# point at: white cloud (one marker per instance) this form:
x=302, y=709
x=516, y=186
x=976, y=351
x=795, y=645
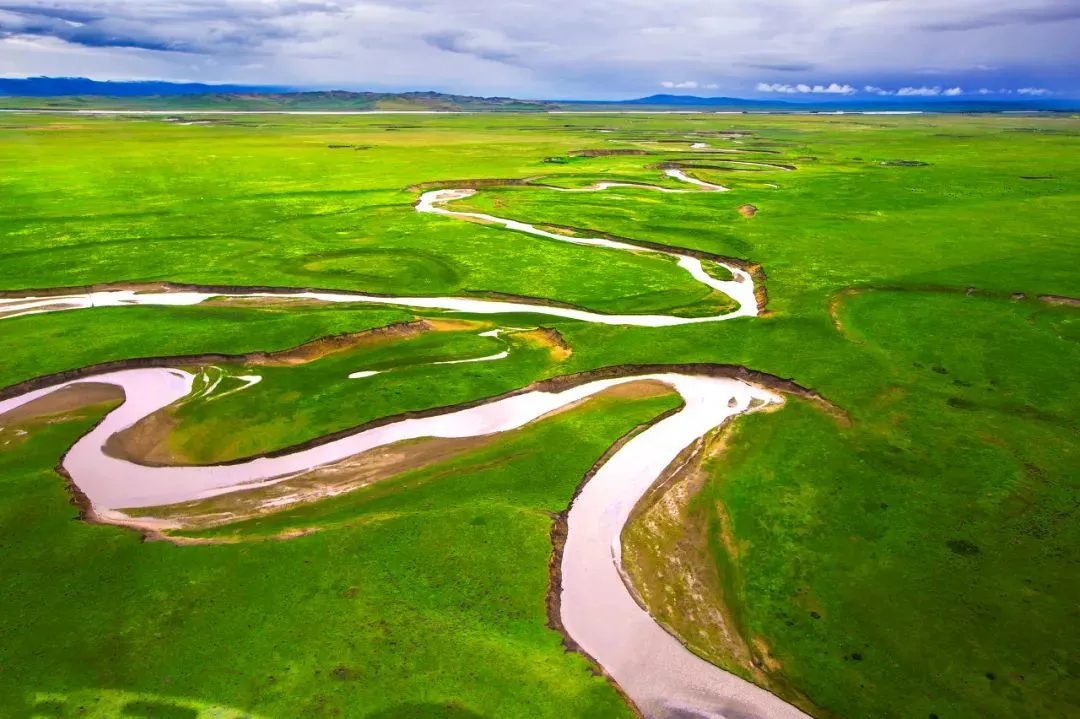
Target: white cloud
x=878, y=90
x=1036, y=91
x=712, y=86
x=775, y=87
x=985, y=91
x=919, y=91
x=684, y=85
x=804, y=89
x=953, y=92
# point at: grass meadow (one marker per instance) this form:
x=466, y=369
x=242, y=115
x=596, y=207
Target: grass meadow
x=919, y=561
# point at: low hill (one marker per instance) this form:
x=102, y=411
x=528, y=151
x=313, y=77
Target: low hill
x=81, y=93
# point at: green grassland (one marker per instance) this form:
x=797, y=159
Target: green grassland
x=935, y=537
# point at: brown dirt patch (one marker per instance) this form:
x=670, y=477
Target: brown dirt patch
x=326, y=346
x=1060, y=300
x=748, y=210
x=605, y=153
x=146, y=442
x=348, y=475
x=551, y=338
x=666, y=553
x=69, y=398
x=355, y=472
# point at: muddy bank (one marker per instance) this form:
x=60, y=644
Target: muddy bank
x=606, y=153
x=672, y=571
x=698, y=164
x=1060, y=300
x=64, y=400
x=599, y=612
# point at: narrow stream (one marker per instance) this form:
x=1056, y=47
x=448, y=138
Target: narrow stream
x=740, y=289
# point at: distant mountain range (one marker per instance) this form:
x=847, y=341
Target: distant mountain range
x=73, y=93
x=65, y=86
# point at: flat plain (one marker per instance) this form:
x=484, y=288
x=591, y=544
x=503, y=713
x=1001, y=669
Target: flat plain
x=912, y=552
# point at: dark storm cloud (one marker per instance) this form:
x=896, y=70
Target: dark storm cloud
x=90, y=32
x=190, y=27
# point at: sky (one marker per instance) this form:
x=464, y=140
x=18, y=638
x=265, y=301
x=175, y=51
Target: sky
x=563, y=49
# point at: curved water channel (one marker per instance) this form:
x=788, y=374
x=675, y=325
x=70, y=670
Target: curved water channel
x=598, y=611
x=740, y=288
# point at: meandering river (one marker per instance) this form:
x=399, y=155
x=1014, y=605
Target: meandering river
x=662, y=677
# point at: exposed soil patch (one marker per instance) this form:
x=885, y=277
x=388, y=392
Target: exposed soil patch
x=473, y=184
x=606, y=153
x=355, y=472
x=672, y=573
x=65, y=400
x=146, y=441
x=903, y=163
x=323, y=347
x=698, y=164
x=748, y=210
x=551, y=338
x=1060, y=300
x=358, y=471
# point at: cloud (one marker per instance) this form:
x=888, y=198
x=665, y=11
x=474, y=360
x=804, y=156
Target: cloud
x=804, y=89
x=684, y=85
x=919, y=91
x=1035, y=91
x=878, y=90
x=552, y=48
x=1046, y=12
x=953, y=92
x=465, y=42
x=779, y=66
x=205, y=28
